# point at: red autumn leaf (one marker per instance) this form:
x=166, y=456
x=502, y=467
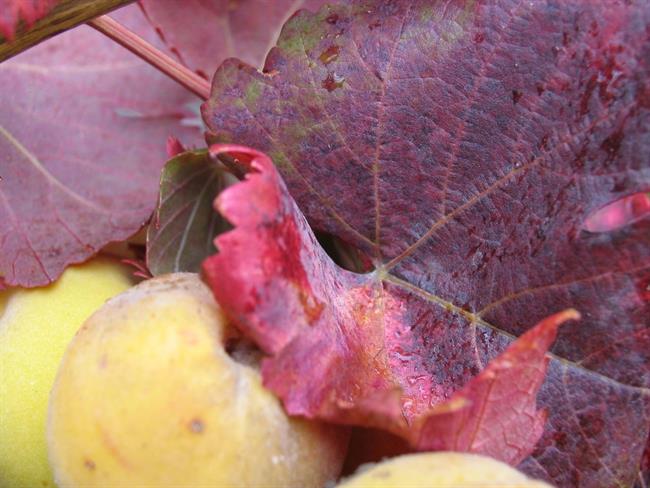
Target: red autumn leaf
x=12, y=11
x=174, y=147
x=274, y=258
x=83, y=125
x=462, y=146
x=202, y=33
x=495, y=413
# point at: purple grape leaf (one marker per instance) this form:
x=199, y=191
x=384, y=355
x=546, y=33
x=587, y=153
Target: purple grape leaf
x=82, y=143
x=462, y=146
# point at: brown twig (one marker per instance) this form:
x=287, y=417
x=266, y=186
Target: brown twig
x=152, y=55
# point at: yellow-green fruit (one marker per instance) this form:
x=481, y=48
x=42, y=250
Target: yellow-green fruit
x=36, y=325
x=441, y=470
x=147, y=396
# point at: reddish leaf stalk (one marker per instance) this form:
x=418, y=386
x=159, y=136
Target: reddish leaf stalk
x=141, y=48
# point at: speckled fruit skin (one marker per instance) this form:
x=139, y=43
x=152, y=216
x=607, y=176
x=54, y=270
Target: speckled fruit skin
x=148, y=396
x=36, y=325
x=441, y=470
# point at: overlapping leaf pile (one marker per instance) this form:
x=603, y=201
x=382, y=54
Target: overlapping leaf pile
x=462, y=146
x=82, y=135
x=337, y=322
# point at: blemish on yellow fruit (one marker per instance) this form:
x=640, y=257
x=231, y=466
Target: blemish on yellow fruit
x=111, y=447
x=196, y=426
x=174, y=408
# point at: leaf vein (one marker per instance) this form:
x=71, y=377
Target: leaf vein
x=471, y=317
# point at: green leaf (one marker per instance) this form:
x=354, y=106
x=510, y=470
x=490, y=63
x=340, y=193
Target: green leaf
x=184, y=225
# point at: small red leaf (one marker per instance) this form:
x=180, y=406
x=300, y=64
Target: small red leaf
x=140, y=269
x=495, y=414
x=174, y=147
x=12, y=11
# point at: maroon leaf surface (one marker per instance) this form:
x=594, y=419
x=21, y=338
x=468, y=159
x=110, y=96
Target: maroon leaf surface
x=83, y=125
x=273, y=256
x=644, y=472
x=202, y=33
x=29, y=11
x=461, y=145
x=495, y=413
x=184, y=225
